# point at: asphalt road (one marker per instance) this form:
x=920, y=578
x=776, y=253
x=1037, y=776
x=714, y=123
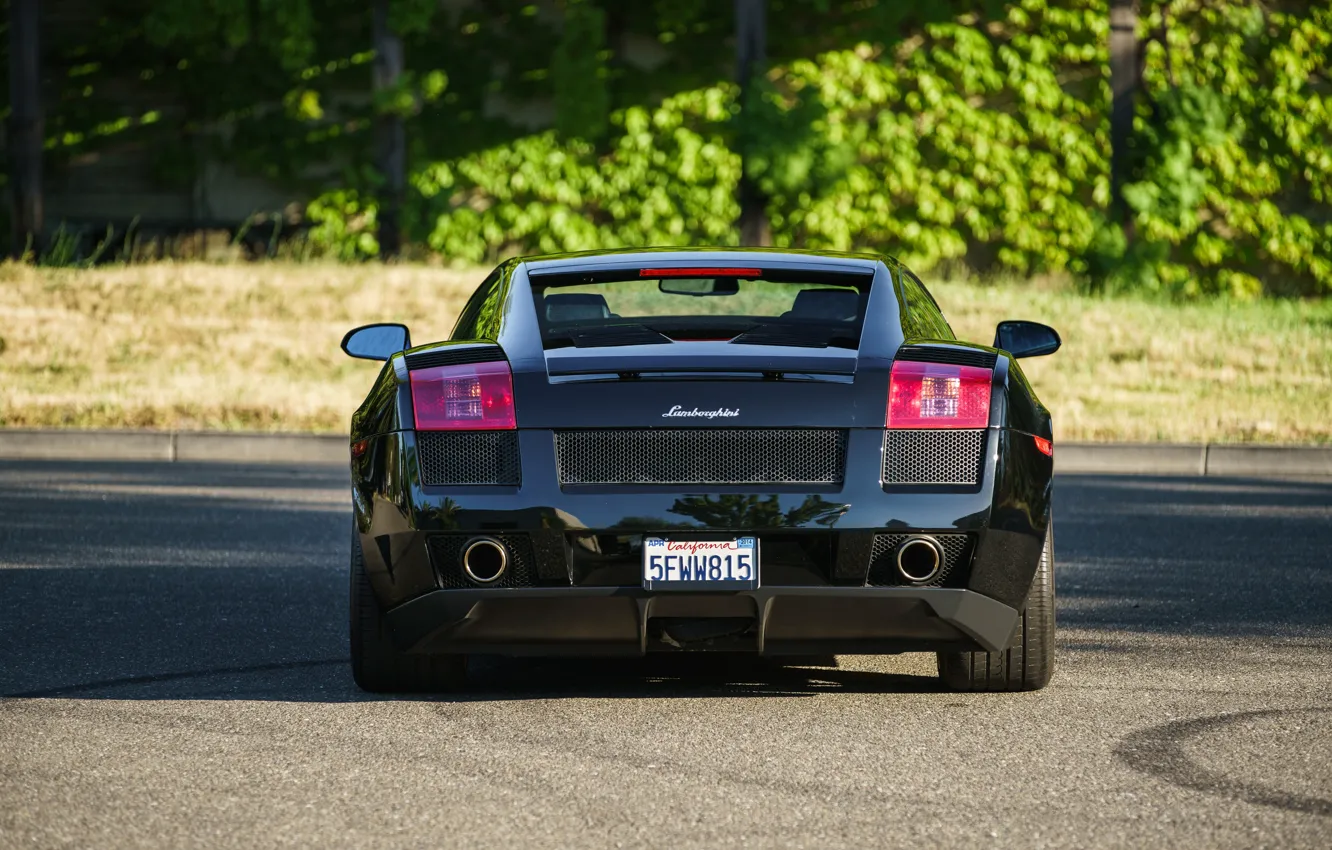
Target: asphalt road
x=173, y=655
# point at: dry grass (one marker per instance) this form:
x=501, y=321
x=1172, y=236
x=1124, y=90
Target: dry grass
x=1135, y=370
x=256, y=347
x=204, y=346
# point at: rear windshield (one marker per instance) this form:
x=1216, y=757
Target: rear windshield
x=639, y=307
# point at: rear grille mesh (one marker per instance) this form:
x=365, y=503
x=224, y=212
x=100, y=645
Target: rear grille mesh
x=942, y=456
x=883, y=561
x=701, y=456
x=446, y=556
x=468, y=457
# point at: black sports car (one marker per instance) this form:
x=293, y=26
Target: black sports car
x=776, y=452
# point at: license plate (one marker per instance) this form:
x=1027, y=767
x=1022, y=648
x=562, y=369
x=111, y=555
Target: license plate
x=700, y=564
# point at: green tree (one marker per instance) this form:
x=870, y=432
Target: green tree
x=947, y=132
x=580, y=74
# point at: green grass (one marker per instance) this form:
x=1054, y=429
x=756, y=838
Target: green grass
x=255, y=347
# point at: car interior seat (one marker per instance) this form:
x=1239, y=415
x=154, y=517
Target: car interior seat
x=576, y=306
x=840, y=305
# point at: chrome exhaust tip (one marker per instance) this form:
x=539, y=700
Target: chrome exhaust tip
x=919, y=559
x=484, y=560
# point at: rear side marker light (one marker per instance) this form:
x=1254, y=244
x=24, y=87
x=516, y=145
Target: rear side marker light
x=700, y=272
x=938, y=395
x=1044, y=446
x=470, y=397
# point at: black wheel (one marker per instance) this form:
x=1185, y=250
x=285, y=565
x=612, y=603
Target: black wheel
x=377, y=665
x=1028, y=664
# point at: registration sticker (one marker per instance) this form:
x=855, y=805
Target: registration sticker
x=700, y=564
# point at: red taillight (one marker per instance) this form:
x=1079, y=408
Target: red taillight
x=701, y=272
x=474, y=397
x=1044, y=446
x=938, y=395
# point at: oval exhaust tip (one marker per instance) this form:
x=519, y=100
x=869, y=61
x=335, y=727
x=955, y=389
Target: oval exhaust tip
x=484, y=560
x=919, y=559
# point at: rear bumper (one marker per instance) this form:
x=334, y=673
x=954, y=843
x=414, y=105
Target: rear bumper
x=767, y=621
x=580, y=592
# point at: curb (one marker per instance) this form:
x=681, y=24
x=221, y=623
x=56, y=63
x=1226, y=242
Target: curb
x=1132, y=458
x=1192, y=459
x=1273, y=460
x=222, y=446
x=173, y=446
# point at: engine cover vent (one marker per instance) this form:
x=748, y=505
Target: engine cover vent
x=455, y=355
x=944, y=354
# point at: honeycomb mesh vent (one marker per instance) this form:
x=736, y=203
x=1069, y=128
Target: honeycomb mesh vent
x=446, y=556
x=701, y=456
x=468, y=457
x=883, y=561
x=941, y=456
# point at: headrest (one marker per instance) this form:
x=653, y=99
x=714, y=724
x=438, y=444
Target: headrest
x=841, y=305
x=576, y=306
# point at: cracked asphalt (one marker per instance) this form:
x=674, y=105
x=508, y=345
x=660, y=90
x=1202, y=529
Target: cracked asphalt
x=173, y=665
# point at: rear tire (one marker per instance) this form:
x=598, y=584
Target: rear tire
x=378, y=666
x=1026, y=665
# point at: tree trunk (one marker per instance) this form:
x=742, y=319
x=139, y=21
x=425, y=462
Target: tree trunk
x=26, y=125
x=617, y=27
x=1124, y=80
x=390, y=135
x=751, y=38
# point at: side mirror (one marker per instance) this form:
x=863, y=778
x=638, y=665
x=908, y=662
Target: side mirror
x=1026, y=339
x=376, y=342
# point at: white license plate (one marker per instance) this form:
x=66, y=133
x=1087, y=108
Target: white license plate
x=700, y=564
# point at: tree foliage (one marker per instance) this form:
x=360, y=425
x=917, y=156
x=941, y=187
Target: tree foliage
x=1234, y=178
x=579, y=73
x=949, y=131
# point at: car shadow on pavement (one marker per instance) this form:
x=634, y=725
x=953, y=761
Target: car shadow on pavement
x=685, y=675
x=491, y=679
x=179, y=581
